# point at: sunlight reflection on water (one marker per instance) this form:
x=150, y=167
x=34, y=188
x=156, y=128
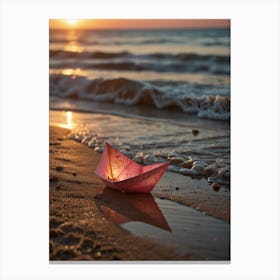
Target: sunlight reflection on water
x=67, y=121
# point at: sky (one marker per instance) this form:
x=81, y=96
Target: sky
x=138, y=23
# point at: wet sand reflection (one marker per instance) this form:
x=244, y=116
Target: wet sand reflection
x=121, y=208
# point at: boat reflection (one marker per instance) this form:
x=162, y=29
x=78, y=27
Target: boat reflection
x=122, y=207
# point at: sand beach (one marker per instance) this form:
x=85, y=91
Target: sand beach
x=77, y=229
x=80, y=231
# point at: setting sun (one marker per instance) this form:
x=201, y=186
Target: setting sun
x=138, y=23
x=71, y=21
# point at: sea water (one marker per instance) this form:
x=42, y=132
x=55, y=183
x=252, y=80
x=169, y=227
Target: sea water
x=156, y=95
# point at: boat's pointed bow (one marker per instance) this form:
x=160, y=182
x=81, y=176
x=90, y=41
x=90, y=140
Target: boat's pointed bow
x=158, y=166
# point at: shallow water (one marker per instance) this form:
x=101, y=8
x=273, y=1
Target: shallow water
x=186, y=230
x=191, y=232
x=150, y=141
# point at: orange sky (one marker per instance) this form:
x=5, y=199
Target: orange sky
x=140, y=23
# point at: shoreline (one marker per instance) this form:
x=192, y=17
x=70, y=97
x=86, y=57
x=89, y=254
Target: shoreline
x=172, y=116
x=78, y=231
x=195, y=193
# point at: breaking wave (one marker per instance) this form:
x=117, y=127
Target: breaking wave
x=131, y=92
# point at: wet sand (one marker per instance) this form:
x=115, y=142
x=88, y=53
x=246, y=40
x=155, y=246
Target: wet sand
x=197, y=194
x=78, y=227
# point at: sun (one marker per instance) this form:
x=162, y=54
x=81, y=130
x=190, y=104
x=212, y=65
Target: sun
x=71, y=21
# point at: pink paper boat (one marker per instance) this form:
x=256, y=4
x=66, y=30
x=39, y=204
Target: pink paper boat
x=121, y=173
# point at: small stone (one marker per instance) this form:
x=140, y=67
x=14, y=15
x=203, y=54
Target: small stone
x=58, y=186
x=74, y=173
x=215, y=186
x=59, y=168
x=188, y=164
x=224, y=174
x=195, y=132
x=209, y=170
x=127, y=148
x=198, y=167
x=98, y=254
x=188, y=172
x=98, y=149
x=177, y=160
x=53, y=179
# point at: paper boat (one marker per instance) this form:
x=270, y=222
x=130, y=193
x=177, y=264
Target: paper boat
x=121, y=173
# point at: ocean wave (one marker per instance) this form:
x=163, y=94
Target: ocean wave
x=131, y=92
x=85, y=55
x=127, y=41
x=126, y=61
x=144, y=66
x=58, y=53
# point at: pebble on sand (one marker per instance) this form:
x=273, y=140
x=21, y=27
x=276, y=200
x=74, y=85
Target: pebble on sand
x=215, y=186
x=53, y=179
x=98, y=254
x=58, y=186
x=195, y=132
x=188, y=164
x=59, y=168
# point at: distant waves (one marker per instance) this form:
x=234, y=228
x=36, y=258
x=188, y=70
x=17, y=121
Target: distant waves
x=160, y=62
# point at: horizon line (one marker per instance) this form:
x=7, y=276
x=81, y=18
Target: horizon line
x=136, y=28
